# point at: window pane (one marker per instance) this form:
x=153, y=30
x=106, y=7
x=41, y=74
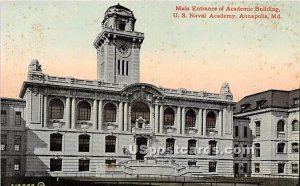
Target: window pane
x=3, y=117
x=210, y=120
x=170, y=143
x=55, y=164
x=84, y=165
x=110, y=144
x=55, y=142
x=18, y=118
x=56, y=109
x=110, y=113
x=84, y=143
x=84, y=111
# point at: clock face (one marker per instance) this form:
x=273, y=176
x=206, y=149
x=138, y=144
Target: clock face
x=123, y=49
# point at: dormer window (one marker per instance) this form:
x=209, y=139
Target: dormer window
x=244, y=107
x=296, y=102
x=260, y=104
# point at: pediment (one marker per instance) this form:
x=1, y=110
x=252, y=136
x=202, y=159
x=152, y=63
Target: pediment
x=142, y=92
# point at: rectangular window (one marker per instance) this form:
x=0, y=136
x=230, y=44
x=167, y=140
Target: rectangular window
x=84, y=165
x=110, y=162
x=236, y=131
x=17, y=165
x=295, y=147
x=110, y=144
x=192, y=163
x=212, y=166
x=55, y=164
x=3, y=166
x=17, y=143
x=280, y=147
x=3, y=142
x=18, y=118
x=256, y=167
x=295, y=168
x=296, y=102
x=260, y=104
x=236, y=146
x=3, y=117
x=245, y=151
x=280, y=167
x=245, y=132
x=245, y=167
x=257, y=128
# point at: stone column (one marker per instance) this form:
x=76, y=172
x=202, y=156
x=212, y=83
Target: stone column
x=68, y=113
x=129, y=118
x=161, y=119
x=126, y=116
x=183, y=120
x=200, y=122
x=73, y=114
x=230, y=121
x=204, y=122
x=224, y=120
x=100, y=115
x=152, y=120
x=45, y=111
x=178, y=120
x=95, y=106
x=156, y=118
x=121, y=116
x=220, y=123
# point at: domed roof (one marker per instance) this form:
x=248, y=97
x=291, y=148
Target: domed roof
x=119, y=10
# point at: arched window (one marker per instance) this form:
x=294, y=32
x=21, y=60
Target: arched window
x=280, y=126
x=280, y=147
x=295, y=147
x=84, y=111
x=169, y=116
x=295, y=125
x=257, y=149
x=212, y=147
x=210, y=120
x=110, y=113
x=110, y=144
x=56, y=109
x=55, y=142
x=121, y=26
x=190, y=118
x=84, y=143
x=140, y=109
x=170, y=143
x=192, y=147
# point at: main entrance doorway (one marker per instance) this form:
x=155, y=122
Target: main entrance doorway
x=141, y=142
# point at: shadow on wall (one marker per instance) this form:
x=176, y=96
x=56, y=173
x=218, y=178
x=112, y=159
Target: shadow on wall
x=36, y=165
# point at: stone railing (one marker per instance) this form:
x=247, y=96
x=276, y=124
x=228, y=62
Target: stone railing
x=132, y=33
x=72, y=81
x=184, y=92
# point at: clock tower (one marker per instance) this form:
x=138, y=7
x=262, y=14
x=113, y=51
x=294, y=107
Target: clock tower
x=118, y=47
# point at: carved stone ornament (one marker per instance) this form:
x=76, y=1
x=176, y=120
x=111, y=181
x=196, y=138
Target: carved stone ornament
x=35, y=66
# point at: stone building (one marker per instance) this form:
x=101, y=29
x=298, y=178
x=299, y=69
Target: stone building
x=13, y=139
x=70, y=126
x=76, y=125
x=274, y=126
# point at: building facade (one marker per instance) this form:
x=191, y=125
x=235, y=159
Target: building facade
x=13, y=139
x=274, y=126
x=71, y=126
